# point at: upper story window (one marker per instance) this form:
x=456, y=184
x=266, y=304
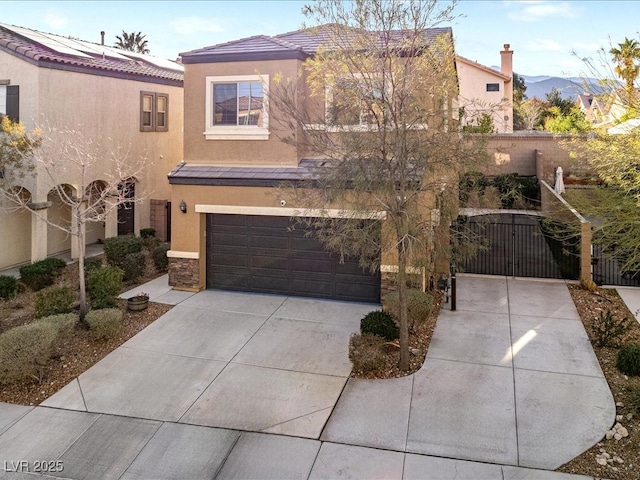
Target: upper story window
x=493, y=87
x=236, y=108
x=9, y=100
x=154, y=112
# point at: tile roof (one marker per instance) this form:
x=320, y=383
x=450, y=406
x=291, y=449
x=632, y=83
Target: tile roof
x=188, y=174
x=299, y=44
x=54, y=51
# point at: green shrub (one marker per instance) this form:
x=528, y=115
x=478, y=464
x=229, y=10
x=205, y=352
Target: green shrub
x=104, y=286
x=628, y=361
x=159, y=256
x=133, y=266
x=25, y=350
x=91, y=264
x=366, y=352
x=42, y=273
x=147, y=232
x=151, y=242
x=53, y=301
x=607, y=330
x=9, y=286
x=419, y=305
x=117, y=248
x=64, y=323
x=104, y=324
x=380, y=323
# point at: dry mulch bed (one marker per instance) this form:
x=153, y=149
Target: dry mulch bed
x=419, y=340
x=589, y=306
x=72, y=355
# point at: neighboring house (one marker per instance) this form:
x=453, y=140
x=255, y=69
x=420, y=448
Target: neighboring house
x=229, y=218
x=588, y=105
x=484, y=90
x=119, y=97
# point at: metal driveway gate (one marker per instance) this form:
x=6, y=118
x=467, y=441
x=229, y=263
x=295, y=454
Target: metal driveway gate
x=520, y=246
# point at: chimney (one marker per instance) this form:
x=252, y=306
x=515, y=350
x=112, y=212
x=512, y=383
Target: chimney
x=506, y=60
x=102, y=37
x=506, y=67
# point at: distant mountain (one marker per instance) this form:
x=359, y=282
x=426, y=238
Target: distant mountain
x=539, y=86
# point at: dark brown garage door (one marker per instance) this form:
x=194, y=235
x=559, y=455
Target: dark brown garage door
x=264, y=254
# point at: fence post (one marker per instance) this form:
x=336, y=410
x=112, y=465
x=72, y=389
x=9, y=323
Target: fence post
x=453, y=291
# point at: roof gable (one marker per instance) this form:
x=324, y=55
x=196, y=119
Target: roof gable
x=484, y=68
x=298, y=45
x=63, y=53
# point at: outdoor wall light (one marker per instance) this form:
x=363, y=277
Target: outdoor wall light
x=183, y=207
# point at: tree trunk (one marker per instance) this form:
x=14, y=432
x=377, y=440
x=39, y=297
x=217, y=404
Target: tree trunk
x=81, y=254
x=403, y=364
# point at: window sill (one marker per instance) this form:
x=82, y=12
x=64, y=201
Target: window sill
x=240, y=133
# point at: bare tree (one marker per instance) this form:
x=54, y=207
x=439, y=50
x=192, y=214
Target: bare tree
x=91, y=176
x=384, y=124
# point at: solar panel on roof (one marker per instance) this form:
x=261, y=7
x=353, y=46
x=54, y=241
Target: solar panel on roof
x=48, y=41
x=158, y=62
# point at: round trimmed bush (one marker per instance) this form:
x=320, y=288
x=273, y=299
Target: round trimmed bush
x=628, y=361
x=104, y=286
x=25, y=350
x=54, y=301
x=160, y=259
x=8, y=286
x=381, y=324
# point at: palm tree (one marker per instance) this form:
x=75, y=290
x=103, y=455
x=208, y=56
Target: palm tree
x=134, y=42
x=626, y=56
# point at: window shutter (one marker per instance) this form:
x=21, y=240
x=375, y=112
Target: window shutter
x=13, y=102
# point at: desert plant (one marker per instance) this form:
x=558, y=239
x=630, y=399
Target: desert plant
x=634, y=396
x=607, y=330
x=117, y=248
x=64, y=322
x=53, y=301
x=104, y=285
x=133, y=266
x=366, y=352
x=105, y=323
x=8, y=286
x=42, y=273
x=628, y=361
x=160, y=259
x=380, y=323
x=419, y=305
x=25, y=350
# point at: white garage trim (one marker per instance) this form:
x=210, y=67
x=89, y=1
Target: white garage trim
x=290, y=212
x=179, y=254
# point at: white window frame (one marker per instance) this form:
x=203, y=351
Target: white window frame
x=236, y=132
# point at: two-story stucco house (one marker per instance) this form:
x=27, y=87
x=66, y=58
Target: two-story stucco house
x=484, y=90
x=230, y=221
x=112, y=96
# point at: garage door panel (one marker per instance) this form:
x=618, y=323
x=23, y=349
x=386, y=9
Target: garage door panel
x=231, y=260
x=229, y=239
x=259, y=262
x=264, y=254
x=313, y=266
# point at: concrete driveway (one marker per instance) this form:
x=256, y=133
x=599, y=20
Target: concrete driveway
x=264, y=363
x=233, y=385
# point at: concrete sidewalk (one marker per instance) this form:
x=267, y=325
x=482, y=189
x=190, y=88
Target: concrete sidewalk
x=234, y=385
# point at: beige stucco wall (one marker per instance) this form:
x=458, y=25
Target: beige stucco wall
x=519, y=152
x=106, y=110
x=476, y=100
x=199, y=150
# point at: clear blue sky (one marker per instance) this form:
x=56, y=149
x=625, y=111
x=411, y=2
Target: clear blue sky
x=542, y=33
